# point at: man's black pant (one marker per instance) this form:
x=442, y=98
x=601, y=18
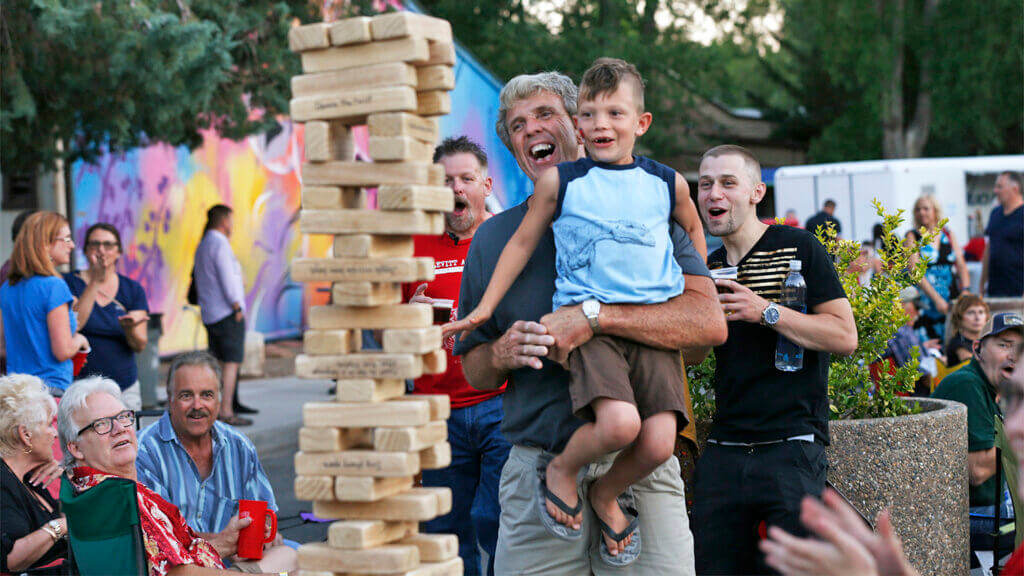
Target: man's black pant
x=738, y=487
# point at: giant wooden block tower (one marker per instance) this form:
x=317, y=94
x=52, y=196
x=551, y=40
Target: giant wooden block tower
x=358, y=455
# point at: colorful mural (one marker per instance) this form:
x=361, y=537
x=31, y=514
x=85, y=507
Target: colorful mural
x=157, y=197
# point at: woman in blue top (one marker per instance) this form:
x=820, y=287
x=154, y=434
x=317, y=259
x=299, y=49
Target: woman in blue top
x=113, y=312
x=946, y=265
x=39, y=329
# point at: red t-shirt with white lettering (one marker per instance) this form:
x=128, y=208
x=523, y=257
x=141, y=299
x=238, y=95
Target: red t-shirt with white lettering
x=449, y=256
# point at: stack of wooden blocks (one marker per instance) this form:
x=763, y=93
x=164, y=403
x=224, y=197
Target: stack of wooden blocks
x=359, y=454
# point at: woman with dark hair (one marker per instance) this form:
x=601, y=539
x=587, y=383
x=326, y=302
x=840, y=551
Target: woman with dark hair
x=966, y=322
x=39, y=328
x=113, y=313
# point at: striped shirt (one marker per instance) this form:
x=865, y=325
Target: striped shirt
x=166, y=468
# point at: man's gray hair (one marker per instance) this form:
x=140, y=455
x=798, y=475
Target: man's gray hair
x=526, y=85
x=194, y=358
x=73, y=400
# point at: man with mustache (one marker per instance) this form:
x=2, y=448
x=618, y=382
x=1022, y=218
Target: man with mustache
x=204, y=467
x=524, y=343
x=478, y=448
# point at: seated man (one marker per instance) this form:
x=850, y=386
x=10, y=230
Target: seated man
x=97, y=434
x=975, y=385
x=203, y=466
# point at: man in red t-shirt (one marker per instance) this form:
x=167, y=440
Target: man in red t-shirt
x=478, y=448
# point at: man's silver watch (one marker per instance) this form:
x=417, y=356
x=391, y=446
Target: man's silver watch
x=592, y=309
x=770, y=315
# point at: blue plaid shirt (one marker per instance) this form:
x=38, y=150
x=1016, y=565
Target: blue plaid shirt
x=165, y=467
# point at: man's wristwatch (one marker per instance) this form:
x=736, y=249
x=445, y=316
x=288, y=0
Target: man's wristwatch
x=770, y=315
x=591, y=309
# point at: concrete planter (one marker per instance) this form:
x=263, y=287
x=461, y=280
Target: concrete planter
x=917, y=467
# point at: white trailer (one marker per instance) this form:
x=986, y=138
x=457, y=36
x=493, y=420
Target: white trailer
x=897, y=184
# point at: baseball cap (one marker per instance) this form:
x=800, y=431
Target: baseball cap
x=1002, y=322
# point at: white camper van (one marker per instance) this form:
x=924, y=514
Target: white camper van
x=963, y=187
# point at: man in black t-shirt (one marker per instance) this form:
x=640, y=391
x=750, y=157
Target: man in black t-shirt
x=767, y=444
x=822, y=218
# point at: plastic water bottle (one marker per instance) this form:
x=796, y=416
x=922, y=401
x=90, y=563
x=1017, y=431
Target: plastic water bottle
x=788, y=356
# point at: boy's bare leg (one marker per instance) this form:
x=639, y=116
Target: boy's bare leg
x=616, y=424
x=653, y=446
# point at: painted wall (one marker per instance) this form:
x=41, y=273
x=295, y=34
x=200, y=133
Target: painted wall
x=157, y=197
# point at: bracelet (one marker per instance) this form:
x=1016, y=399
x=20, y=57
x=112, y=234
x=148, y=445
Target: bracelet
x=50, y=531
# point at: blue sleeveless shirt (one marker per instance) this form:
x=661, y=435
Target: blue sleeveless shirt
x=611, y=229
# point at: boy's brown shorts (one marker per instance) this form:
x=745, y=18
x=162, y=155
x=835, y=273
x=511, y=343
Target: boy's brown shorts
x=611, y=367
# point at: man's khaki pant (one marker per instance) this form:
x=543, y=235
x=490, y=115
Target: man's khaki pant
x=525, y=547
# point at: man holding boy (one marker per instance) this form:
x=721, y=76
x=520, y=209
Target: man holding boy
x=524, y=342
x=767, y=444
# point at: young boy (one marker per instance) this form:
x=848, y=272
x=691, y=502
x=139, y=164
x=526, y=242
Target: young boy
x=610, y=216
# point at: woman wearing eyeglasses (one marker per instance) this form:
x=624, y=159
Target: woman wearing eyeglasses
x=32, y=529
x=39, y=328
x=112, y=312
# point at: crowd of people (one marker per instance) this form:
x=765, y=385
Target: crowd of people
x=569, y=319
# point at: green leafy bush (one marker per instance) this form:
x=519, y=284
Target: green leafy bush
x=877, y=312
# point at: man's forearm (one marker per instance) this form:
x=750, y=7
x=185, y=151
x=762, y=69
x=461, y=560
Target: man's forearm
x=692, y=321
x=479, y=369
x=981, y=465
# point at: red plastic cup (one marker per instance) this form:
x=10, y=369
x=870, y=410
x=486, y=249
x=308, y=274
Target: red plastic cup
x=78, y=361
x=251, y=538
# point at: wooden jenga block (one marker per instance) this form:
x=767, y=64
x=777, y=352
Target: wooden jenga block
x=410, y=439
x=435, y=362
x=385, y=559
x=377, y=317
x=362, y=78
x=367, y=246
x=350, y=31
x=440, y=53
x=366, y=293
x=359, y=270
x=394, y=414
x=369, y=489
x=434, y=547
x=401, y=124
x=308, y=37
x=413, y=50
x=314, y=487
x=412, y=340
x=400, y=149
x=325, y=439
x=401, y=24
x=333, y=198
x=356, y=366
x=326, y=141
x=417, y=504
x=435, y=78
x=369, y=174
x=430, y=198
x=432, y=103
x=326, y=342
x=450, y=567
x=353, y=107
x=436, y=457
x=440, y=405
x=357, y=463
x=363, y=534
x=370, y=391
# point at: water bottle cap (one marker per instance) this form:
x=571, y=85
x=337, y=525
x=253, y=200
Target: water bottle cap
x=795, y=265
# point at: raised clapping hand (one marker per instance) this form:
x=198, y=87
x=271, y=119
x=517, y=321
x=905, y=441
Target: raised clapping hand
x=741, y=303
x=848, y=546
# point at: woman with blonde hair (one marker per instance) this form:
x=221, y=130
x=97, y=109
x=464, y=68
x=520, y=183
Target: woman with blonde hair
x=966, y=322
x=39, y=330
x=946, y=265
x=33, y=529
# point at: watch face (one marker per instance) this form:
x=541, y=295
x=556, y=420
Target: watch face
x=590, y=307
x=771, y=315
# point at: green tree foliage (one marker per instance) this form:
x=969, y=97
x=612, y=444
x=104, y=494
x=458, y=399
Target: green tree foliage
x=97, y=75
x=510, y=39
x=901, y=78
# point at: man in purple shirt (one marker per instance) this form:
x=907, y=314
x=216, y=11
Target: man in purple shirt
x=218, y=280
